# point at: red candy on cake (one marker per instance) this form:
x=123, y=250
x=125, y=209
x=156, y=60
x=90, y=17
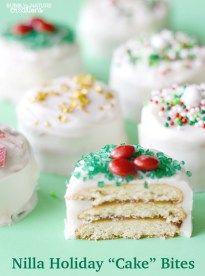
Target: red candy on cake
x=124, y=151
x=122, y=167
x=146, y=163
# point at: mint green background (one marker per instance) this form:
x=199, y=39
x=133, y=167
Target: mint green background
x=41, y=233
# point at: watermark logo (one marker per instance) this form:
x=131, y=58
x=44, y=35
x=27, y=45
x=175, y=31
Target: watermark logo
x=17, y=7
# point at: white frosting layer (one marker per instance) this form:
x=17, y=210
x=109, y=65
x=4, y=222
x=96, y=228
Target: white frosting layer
x=134, y=77
x=60, y=141
x=182, y=143
x=106, y=24
x=22, y=68
x=75, y=207
x=18, y=177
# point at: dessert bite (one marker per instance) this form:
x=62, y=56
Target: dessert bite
x=140, y=66
x=18, y=176
x=105, y=24
x=69, y=117
x=130, y=192
x=32, y=52
x=174, y=122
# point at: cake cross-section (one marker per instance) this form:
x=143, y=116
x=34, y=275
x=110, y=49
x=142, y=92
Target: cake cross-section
x=130, y=192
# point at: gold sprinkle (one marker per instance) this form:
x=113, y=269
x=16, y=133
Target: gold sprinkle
x=62, y=118
x=108, y=96
x=68, y=108
x=47, y=124
x=82, y=98
x=84, y=80
x=98, y=89
x=64, y=87
x=42, y=96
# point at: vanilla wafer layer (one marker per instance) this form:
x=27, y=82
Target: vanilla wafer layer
x=122, y=210
x=135, y=193
x=129, y=229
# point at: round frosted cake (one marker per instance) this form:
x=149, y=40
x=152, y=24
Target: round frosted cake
x=139, y=66
x=67, y=118
x=128, y=192
x=105, y=24
x=18, y=176
x=174, y=122
x=32, y=52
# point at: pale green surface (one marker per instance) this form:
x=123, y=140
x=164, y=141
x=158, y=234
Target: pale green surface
x=41, y=233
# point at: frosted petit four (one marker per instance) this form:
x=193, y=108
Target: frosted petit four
x=105, y=24
x=128, y=192
x=32, y=52
x=67, y=118
x=174, y=122
x=18, y=176
x=140, y=66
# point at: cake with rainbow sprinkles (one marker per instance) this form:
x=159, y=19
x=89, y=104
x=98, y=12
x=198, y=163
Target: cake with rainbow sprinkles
x=128, y=191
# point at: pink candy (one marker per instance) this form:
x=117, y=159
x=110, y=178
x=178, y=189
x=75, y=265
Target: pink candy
x=3, y=153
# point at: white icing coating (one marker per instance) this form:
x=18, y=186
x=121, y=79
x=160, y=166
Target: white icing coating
x=134, y=74
x=182, y=143
x=58, y=144
x=75, y=207
x=22, y=68
x=105, y=24
x=18, y=177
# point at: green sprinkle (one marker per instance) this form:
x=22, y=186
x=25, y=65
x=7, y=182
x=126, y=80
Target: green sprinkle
x=146, y=185
x=53, y=195
x=189, y=174
x=166, y=124
x=132, y=58
x=154, y=59
x=182, y=163
x=101, y=184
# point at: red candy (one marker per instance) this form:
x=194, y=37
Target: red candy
x=122, y=167
x=3, y=153
x=124, y=151
x=146, y=163
x=41, y=25
x=21, y=29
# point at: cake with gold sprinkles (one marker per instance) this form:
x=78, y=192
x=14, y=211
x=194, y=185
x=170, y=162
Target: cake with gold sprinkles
x=33, y=51
x=128, y=191
x=18, y=176
x=68, y=117
x=144, y=64
x=173, y=121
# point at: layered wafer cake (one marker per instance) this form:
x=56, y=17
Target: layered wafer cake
x=18, y=176
x=130, y=192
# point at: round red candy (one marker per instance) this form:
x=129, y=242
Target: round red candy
x=41, y=25
x=21, y=29
x=146, y=163
x=124, y=151
x=122, y=167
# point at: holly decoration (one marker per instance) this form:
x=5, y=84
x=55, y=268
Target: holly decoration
x=3, y=153
x=125, y=163
x=34, y=24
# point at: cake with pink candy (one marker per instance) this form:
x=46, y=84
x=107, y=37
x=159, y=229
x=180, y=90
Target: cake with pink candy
x=18, y=176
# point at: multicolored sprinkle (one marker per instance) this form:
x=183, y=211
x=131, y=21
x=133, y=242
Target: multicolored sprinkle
x=3, y=153
x=181, y=105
